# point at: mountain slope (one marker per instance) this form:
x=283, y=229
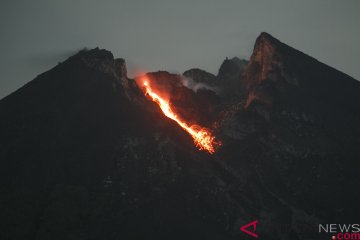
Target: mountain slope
x=298, y=133
x=85, y=155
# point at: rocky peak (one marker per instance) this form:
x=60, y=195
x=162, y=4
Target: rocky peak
x=265, y=61
x=279, y=77
x=266, y=38
x=200, y=76
x=96, y=58
x=232, y=67
x=284, y=67
x=230, y=76
x=103, y=61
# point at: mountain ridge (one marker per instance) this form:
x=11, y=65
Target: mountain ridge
x=85, y=155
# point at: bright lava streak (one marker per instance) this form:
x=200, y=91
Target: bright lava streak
x=202, y=137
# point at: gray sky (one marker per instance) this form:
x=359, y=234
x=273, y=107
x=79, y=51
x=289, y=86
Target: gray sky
x=171, y=35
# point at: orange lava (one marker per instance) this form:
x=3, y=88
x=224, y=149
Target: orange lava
x=203, y=138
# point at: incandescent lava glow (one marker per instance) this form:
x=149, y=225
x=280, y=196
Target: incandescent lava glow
x=203, y=138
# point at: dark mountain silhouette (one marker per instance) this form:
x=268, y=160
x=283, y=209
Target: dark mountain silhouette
x=85, y=155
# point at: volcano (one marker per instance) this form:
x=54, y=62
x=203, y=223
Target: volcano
x=88, y=153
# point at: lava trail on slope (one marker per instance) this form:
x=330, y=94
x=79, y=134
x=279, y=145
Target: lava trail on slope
x=203, y=138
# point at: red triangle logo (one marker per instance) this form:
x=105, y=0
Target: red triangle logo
x=253, y=225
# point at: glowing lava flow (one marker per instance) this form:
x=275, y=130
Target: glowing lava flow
x=203, y=138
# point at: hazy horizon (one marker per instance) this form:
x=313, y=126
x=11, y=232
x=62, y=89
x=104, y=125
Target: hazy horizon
x=171, y=35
